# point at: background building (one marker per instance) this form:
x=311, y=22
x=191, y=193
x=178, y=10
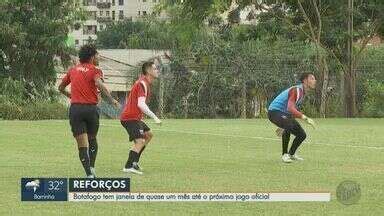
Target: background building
x=102, y=12
x=121, y=67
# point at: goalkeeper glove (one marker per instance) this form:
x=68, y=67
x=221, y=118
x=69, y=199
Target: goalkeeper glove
x=308, y=120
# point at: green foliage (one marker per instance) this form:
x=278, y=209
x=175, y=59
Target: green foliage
x=18, y=102
x=212, y=66
x=33, y=37
x=149, y=33
x=374, y=99
x=370, y=74
x=207, y=80
x=21, y=92
x=9, y=110
x=145, y=34
x=312, y=22
x=287, y=19
x=41, y=110
x=38, y=110
x=12, y=90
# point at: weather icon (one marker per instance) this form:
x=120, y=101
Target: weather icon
x=33, y=185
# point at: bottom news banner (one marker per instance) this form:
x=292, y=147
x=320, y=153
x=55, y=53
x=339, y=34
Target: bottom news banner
x=118, y=190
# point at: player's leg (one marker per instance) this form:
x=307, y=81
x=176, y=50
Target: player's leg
x=285, y=141
x=93, y=128
x=136, y=134
x=148, y=135
x=285, y=136
x=148, y=138
x=281, y=120
x=82, y=143
x=300, y=134
x=93, y=149
x=138, y=146
x=291, y=126
x=79, y=131
x=133, y=158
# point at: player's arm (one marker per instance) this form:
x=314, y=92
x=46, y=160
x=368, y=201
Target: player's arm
x=100, y=85
x=291, y=107
x=64, y=82
x=293, y=97
x=145, y=109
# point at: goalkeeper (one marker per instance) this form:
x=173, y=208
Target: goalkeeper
x=284, y=109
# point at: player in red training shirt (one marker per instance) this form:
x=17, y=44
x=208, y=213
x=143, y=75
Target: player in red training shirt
x=86, y=80
x=132, y=115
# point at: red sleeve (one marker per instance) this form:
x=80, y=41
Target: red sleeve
x=141, y=91
x=98, y=74
x=66, y=79
x=292, y=97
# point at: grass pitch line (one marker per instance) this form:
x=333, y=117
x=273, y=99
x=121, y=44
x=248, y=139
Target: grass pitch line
x=254, y=137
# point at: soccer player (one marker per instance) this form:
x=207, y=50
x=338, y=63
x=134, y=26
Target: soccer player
x=284, y=109
x=132, y=115
x=85, y=79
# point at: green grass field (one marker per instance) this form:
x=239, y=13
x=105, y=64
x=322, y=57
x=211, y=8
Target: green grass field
x=201, y=156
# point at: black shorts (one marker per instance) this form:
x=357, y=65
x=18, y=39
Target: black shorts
x=84, y=118
x=135, y=129
x=285, y=121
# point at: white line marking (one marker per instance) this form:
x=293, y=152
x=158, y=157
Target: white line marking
x=255, y=137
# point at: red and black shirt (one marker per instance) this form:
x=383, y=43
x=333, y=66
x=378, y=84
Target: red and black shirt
x=131, y=111
x=83, y=87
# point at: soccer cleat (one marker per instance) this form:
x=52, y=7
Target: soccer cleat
x=136, y=166
x=296, y=157
x=93, y=171
x=91, y=176
x=286, y=158
x=132, y=170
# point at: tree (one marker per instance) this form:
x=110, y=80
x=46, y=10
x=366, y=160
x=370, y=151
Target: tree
x=33, y=36
x=315, y=21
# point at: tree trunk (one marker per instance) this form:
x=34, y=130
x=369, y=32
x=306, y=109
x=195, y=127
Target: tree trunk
x=185, y=106
x=350, y=77
x=164, y=68
x=256, y=104
x=212, y=104
x=341, y=92
x=244, y=100
x=350, y=94
x=161, y=96
x=324, y=88
x=321, y=91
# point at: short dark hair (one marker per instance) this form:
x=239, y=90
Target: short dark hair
x=304, y=76
x=146, y=66
x=86, y=52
